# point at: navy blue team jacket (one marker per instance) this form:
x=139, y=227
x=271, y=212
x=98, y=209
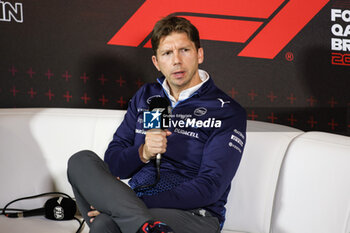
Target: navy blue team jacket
x=203, y=151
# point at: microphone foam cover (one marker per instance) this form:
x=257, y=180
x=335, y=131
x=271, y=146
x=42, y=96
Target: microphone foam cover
x=159, y=102
x=60, y=208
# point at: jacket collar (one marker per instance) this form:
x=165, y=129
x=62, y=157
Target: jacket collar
x=188, y=93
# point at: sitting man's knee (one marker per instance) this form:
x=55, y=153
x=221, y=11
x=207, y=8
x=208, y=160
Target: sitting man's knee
x=79, y=158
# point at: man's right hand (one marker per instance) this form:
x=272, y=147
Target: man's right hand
x=155, y=143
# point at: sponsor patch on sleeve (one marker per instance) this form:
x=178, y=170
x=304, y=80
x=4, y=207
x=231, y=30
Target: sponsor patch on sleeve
x=237, y=140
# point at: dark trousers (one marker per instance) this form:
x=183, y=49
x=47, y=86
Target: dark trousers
x=121, y=210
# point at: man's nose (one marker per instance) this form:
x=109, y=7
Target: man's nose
x=177, y=58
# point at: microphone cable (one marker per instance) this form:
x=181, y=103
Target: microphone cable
x=31, y=197
x=145, y=187
x=3, y=210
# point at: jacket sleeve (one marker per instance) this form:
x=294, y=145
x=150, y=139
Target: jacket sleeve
x=221, y=156
x=122, y=154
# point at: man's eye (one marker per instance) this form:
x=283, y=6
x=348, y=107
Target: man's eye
x=167, y=53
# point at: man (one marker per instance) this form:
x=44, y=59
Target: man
x=201, y=149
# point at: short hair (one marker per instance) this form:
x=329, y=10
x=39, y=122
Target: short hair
x=169, y=24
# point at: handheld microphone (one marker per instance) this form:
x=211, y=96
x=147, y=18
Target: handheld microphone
x=162, y=105
x=57, y=208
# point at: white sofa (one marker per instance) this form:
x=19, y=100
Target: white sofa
x=289, y=181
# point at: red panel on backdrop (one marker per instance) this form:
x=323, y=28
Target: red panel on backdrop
x=141, y=23
x=222, y=29
x=283, y=28
x=267, y=44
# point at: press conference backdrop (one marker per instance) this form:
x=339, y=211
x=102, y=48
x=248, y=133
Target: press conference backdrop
x=285, y=61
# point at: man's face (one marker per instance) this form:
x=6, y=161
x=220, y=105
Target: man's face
x=177, y=58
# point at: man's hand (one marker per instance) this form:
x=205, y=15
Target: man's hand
x=155, y=143
x=93, y=213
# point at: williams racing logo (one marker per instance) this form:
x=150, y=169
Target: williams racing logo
x=155, y=120
x=264, y=26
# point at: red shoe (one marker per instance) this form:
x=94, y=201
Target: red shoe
x=155, y=227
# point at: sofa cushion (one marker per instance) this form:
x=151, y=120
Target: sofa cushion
x=250, y=202
x=314, y=189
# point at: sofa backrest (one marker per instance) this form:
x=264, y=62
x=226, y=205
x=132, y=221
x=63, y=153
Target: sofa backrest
x=36, y=143
x=313, y=193
x=250, y=202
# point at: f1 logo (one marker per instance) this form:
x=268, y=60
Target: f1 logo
x=267, y=26
x=151, y=120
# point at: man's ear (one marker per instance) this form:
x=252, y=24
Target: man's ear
x=155, y=62
x=200, y=55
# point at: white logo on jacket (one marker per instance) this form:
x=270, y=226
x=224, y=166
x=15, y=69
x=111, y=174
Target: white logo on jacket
x=223, y=102
x=200, y=111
